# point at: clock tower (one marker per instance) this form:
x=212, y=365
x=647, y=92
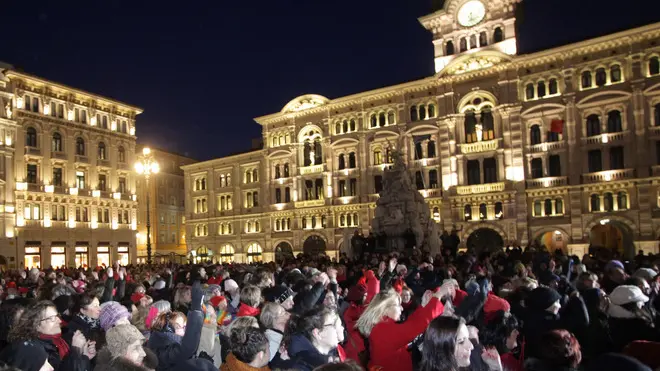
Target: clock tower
x=465, y=29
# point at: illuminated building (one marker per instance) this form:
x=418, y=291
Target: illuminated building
x=561, y=146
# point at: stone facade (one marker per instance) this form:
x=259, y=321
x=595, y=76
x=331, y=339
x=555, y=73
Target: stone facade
x=67, y=189
x=561, y=146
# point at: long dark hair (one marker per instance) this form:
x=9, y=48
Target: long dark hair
x=440, y=344
x=28, y=323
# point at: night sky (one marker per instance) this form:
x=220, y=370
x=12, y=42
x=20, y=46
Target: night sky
x=202, y=70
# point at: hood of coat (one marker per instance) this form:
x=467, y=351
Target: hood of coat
x=163, y=339
x=301, y=349
x=105, y=362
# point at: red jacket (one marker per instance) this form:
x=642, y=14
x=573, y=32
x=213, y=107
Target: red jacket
x=389, y=340
x=245, y=310
x=355, y=343
x=373, y=285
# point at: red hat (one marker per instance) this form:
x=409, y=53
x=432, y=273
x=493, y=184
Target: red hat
x=135, y=298
x=23, y=290
x=11, y=285
x=493, y=305
x=356, y=293
x=398, y=285
x=216, y=300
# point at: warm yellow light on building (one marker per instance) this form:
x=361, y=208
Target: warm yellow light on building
x=73, y=191
x=49, y=188
x=21, y=186
x=9, y=233
x=70, y=115
x=47, y=222
x=96, y=193
x=92, y=121
x=19, y=102
x=72, y=223
x=46, y=109
x=8, y=141
x=113, y=125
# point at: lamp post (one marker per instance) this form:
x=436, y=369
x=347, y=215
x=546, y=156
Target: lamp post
x=147, y=166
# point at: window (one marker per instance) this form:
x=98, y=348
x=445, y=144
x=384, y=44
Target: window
x=122, y=185
x=341, y=162
x=352, y=188
x=83, y=116
x=430, y=149
x=102, y=182
x=287, y=194
x=601, y=77
x=657, y=152
x=57, y=142
x=378, y=157
x=286, y=170
x=473, y=172
x=433, y=179
x=278, y=196
x=31, y=177
x=535, y=135
x=124, y=127
x=594, y=203
x=467, y=212
x=351, y=160
x=554, y=165
x=498, y=35
x=121, y=154
x=593, y=125
x=414, y=115
x=473, y=41
x=255, y=199
x=540, y=89
x=390, y=118
x=654, y=66
x=449, y=48
x=615, y=73
x=586, y=79
x=594, y=161
x=483, y=39
x=656, y=114
x=105, y=122
x=537, y=168
x=76, y=116
x=538, y=208
x=31, y=137
x=463, y=44
x=422, y=112
x=60, y=111
x=35, y=105
x=254, y=253
x=622, y=200
x=80, y=180
x=547, y=207
x=559, y=206
x=552, y=136
x=552, y=87
x=378, y=183
x=483, y=211
x=418, y=151
x=470, y=126
x=57, y=176
x=80, y=146
x=614, y=122
x=102, y=154
x=419, y=180
x=529, y=91
x=608, y=202
x=616, y=158
x=382, y=121
x=499, y=210
x=490, y=170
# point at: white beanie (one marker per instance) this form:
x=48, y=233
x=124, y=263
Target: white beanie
x=230, y=285
x=645, y=273
x=159, y=285
x=625, y=294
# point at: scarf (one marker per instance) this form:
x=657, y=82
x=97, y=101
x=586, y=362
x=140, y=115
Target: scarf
x=62, y=346
x=93, y=323
x=233, y=364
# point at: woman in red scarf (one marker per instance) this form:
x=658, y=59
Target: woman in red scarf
x=40, y=325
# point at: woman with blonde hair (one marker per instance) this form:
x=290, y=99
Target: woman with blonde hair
x=379, y=321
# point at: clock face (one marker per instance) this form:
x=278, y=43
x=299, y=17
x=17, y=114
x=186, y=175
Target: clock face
x=471, y=13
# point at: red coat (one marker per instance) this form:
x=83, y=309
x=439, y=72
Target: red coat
x=245, y=310
x=373, y=286
x=355, y=343
x=389, y=340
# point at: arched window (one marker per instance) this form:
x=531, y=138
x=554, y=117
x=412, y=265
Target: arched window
x=467, y=212
x=593, y=125
x=470, y=126
x=80, y=146
x=278, y=174
x=487, y=123
x=601, y=77
x=535, y=135
x=614, y=122
x=547, y=207
x=378, y=157
x=422, y=112
x=390, y=118
x=499, y=210
x=338, y=128
x=254, y=253
x=382, y=121
x=654, y=66
x=538, y=208
x=483, y=39
x=248, y=176
x=608, y=202
x=255, y=175
x=540, y=89
x=449, y=48
x=463, y=44
x=483, y=212
x=31, y=137
x=352, y=124
x=559, y=206
x=102, y=154
x=286, y=170
x=430, y=149
x=431, y=110
x=529, y=91
x=227, y=253
x=594, y=203
x=341, y=162
x=373, y=120
x=586, y=79
x=351, y=160
x=498, y=35
x=414, y=114
x=622, y=200
x=536, y=168
x=473, y=172
x=552, y=87
x=105, y=122
x=57, y=142
x=615, y=73
x=473, y=41
x=345, y=126
x=124, y=127
x=418, y=151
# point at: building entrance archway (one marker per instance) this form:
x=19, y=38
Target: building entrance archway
x=611, y=237
x=314, y=245
x=283, y=251
x=484, y=239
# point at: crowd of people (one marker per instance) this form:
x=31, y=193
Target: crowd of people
x=509, y=310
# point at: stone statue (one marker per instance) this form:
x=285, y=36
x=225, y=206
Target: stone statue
x=311, y=158
x=8, y=111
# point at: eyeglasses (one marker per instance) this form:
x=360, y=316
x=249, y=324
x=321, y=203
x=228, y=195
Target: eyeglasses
x=51, y=318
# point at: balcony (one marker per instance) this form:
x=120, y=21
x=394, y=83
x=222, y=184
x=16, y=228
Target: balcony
x=123, y=166
x=547, y=146
x=608, y=176
x=315, y=169
x=431, y=193
x=605, y=138
x=547, y=182
x=310, y=203
x=104, y=163
x=58, y=155
x=82, y=159
x=480, y=188
x=654, y=131
x=33, y=151
x=477, y=147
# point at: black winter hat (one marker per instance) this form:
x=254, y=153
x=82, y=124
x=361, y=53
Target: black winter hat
x=277, y=294
x=541, y=298
x=24, y=355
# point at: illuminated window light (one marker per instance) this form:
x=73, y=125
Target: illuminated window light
x=46, y=109
x=70, y=115
x=132, y=130
x=604, y=138
x=115, y=225
x=113, y=125
x=424, y=162
x=9, y=208
x=21, y=186
x=134, y=225
x=92, y=121
x=94, y=224
x=134, y=197
x=96, y=193
x=49, y=188
x=72, y=223
x=19, y=102
x=47, y=222
x=116, y=196
x=20, y=221
x=604, y=221
x=557, y=233
x=73, y=191
x=9, y=233
x=8, y=140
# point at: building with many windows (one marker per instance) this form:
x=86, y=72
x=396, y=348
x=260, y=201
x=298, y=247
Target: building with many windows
x=166, y=204
x=561, y=147
x=67, y=189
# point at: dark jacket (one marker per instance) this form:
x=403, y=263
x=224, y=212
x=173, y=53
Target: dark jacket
x=105, y=362
x=626, y=330
x=173, y=350
x=109, y=287
x=304, y=355
x=74, y=361
x=78, y=324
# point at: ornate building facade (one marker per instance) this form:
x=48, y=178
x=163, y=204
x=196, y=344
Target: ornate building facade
x=561, y=147
x=67, y=188
x=166, y=203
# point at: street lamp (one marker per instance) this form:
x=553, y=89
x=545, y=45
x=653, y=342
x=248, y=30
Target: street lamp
x=147, y=166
